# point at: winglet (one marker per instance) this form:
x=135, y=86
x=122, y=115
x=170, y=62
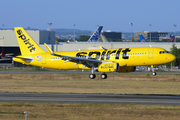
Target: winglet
x=48, y=49
x=23, y=59
x=102, y=48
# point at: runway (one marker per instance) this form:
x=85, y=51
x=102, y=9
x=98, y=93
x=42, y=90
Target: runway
x=86, y=72
x=90, y=98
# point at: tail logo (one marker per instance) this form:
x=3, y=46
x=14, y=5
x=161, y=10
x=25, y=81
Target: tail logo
x=26, y=41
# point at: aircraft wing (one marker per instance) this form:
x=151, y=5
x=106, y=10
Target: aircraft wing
x=6, y=59
x=77, y=60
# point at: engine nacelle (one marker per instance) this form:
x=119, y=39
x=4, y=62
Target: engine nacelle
x=108, y=67
x=127, y=69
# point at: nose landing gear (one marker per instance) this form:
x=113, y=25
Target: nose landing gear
x=153, y=73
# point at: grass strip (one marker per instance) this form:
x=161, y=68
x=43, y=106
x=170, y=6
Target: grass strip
x=115, y=84
x=53, y=111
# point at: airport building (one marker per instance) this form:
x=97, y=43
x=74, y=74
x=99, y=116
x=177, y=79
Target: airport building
x=8, y=37
x=112, y=35
x=10, y=44
x=154, y=35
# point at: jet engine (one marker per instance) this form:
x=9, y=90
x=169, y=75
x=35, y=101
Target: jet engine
x=108, y=67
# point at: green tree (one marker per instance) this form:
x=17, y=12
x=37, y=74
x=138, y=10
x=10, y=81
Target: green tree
x=155, y=41
x=176, y=52
x=164, y=40
x=114, y=40
x=132, y=39
x=83, y=38
x=61, y=40
x=64, y=40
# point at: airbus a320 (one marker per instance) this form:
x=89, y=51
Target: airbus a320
x=101, y=60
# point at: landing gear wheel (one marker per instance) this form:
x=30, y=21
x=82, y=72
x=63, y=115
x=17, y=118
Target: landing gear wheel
x=154, y=73
x=103, y=76
x=92, y=76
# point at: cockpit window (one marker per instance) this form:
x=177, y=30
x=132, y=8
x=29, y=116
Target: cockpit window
x=162, y=52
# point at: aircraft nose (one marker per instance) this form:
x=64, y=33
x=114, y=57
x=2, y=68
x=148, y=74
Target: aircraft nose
x=171, y=58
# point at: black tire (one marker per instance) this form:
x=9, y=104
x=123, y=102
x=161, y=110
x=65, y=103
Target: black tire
x=154, y=73
x=103, y=76
x=92, y=76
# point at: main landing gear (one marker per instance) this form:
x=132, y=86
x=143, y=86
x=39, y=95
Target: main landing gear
x=92, y=75
x=153, y=73
x=103, y=76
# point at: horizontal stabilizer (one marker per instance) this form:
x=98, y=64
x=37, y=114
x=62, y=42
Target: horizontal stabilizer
x=26, y=59
x=8, y=54
x=6, y=59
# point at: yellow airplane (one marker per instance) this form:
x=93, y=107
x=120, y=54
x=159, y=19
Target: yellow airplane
x=102, y=60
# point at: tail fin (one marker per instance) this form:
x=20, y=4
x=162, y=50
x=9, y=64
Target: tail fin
x=2, y=53
x=142, y=39
x=94, y=37
x=26, y=43
x=172, y=38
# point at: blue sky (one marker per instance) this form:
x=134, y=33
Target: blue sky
x=114, y=15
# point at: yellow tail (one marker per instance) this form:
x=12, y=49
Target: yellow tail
x=26, y=43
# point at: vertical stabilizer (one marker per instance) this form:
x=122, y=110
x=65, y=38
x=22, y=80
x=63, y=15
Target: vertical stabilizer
x=142, y=39
x=95, y=36
x=172, y=38
x=26, y=43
